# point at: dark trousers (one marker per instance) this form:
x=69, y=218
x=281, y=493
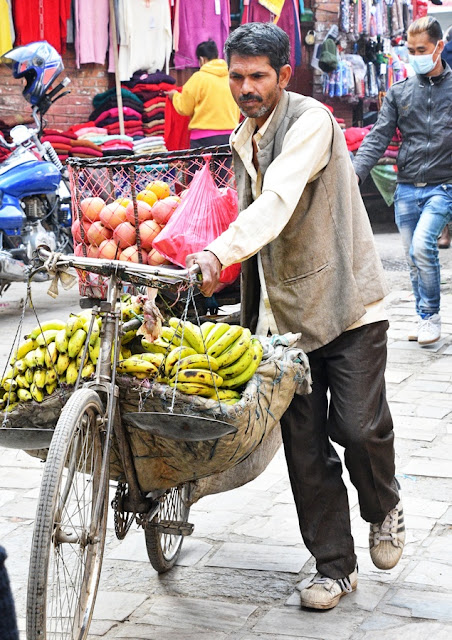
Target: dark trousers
x=356, y=416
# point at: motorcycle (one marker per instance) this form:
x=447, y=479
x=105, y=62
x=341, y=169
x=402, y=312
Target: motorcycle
x=35, y=203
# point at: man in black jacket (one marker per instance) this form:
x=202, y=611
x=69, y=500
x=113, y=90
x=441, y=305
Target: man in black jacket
x=421, y=107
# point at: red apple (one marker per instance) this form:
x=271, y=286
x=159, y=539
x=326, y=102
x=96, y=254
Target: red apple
x=144, y=211
x=164, y=209
x=125, y=235
x=97, y=233
x=132, y=255
x=148, y=230
x=112, y=215
x=109, y=250
x=91, y=208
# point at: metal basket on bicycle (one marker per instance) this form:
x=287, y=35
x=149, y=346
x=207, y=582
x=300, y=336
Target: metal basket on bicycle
x=121, y=184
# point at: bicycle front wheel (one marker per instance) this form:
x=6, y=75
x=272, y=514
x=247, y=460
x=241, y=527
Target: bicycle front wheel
x=67, y=547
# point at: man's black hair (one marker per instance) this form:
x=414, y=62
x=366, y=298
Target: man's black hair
x=259, y=39
x=207, y=49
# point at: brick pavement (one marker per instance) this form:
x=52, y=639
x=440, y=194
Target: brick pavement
x=236, y=575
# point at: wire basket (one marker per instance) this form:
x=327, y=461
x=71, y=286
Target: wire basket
x=119, y=184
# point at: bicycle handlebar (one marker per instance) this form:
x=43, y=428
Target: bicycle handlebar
x=126, y=271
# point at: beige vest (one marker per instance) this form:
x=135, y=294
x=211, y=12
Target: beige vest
x=323, y=268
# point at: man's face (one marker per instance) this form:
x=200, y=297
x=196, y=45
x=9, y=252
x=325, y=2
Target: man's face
x=420, y=44
x=255, y=86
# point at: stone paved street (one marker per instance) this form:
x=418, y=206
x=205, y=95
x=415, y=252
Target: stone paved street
x=237, y=574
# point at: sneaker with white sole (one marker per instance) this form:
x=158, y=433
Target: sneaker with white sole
x=387, y=539
x=429, y=330
x=414, y=333
x=322, y=592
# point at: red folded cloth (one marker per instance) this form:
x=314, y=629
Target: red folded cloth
x=85, y=143
x=76, y=127
x=57, y=132
x=114, y=113
x=115, y=142
x=162, y=86
x=86, y=152
x=56, y=139
x=129, y=124
x=61, y=147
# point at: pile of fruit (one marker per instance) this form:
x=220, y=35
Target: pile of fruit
x=214, y=360
x=111, y=231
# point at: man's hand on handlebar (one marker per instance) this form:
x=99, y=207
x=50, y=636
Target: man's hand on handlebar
x=210, y=269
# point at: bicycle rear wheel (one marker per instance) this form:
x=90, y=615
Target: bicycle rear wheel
x=67, y=546
x=164, y=548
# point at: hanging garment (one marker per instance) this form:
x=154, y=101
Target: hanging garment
x=42, y=20
x=6, y=40
x=289, y=22
x=145, y=36
x=92, y=33
x=197, y=22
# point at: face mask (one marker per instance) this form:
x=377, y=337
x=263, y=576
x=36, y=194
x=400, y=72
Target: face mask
x=423, y=64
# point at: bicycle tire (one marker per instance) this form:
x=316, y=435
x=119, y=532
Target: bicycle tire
x=65, y=561
x=163, y=548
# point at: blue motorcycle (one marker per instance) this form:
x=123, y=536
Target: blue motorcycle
x=34, y=195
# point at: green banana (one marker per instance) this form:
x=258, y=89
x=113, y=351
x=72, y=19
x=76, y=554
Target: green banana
x=237, y=367
x=76, y=342
x=235, y=350
x=61, y=341
x=46, y=326
x=220, y=345
x=249, y=372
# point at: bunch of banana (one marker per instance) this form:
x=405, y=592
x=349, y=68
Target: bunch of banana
x=211, y=360
x=51, y=354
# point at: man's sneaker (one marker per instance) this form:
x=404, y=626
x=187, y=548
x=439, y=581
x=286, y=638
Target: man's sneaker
x=387, y=539
x=324, y=593
x=414, y=333
x=429, y=330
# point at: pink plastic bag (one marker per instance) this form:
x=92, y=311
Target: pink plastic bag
x=205, y=212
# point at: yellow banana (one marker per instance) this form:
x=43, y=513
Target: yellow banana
x=51, y=355
x=23, y=349
x=215, y=334
x=24, y=394
x=126, y=353
x=29, y=359
x=9, y=373
x=158, y=346
x=39, y=378
x=136, y=365
x=10, y=407
x=225, y=394
x=46, y=326
x=76, y=342
x=88, y=370
x=94, y=350
x=50, y=388
x=50, y=378
x=10, y=385
x=156, y=358
x=22, y=382
x=196, y=361
x=46, y=337
x=11, y=397
x=237, y=367
x=190, y=333
x=231, y=401
x=249, y=372
x=199, y=376
x=36, y=393
x=131, y=310
x=128, y=336
x=220, y=345
x=206, y=328
x=192, y=389
x=170, y=335
x=40, y=354
x=73, y=324
x=78, y=359
x=175, y=355
x=62, y=363
x=235, y=350
x=61, y=341
x=71, y=373
x=20, y=366
x=29, y=376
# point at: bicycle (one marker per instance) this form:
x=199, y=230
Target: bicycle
x=71, y=521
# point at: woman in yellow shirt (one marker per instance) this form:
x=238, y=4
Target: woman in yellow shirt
x=207, y=99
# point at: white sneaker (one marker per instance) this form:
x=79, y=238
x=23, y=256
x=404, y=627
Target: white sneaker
x=324, y=593
x=414, y=333
x=429, y=330
x=387, y=539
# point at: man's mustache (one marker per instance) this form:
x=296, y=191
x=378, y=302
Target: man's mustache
x=250, y=96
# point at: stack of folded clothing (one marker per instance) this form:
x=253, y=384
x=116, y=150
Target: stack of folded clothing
x=106, y=114
x=118, y=146
x=154, y=116
x=151, y=88
x=61, y=141
x=354, y=136
x=154, y=144
x=85, y=149
x=392, y=151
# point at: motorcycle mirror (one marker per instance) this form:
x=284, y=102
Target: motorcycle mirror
x=20, y=134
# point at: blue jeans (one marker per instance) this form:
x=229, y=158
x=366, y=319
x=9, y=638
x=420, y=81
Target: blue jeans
x=421, y=214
